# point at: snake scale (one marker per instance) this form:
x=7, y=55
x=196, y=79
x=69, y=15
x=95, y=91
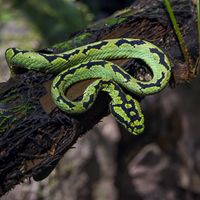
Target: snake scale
x=91, y=62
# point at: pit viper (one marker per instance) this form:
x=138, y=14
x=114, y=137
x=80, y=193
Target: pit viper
x=91, y=62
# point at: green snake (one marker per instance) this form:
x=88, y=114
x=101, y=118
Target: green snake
x=91, y=62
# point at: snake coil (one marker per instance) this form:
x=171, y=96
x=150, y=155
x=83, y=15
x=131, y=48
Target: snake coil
x=89, y=62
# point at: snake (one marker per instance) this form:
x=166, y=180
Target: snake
x=92, y=61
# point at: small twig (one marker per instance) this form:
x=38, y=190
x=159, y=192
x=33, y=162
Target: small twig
x=179, y=36
x=198, y=22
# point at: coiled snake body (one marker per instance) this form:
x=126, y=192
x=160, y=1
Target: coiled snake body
x=89, y=62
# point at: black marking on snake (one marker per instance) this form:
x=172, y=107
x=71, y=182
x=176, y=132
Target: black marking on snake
x=67, y=56
x=51, y=58
x=91, y=99
x=63, y=75
x=115, y=114
x=71, y=105
x=69, y=71
x=139, y=126
x=133, y=43
x=92, y=63
x=16, y=51
x=134, y=117
x=97, y=46
x=125, y=75
x=99, y=85
x=161, y=56
x=156, y=84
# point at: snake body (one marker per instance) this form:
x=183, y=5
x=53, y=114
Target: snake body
x=90, y=62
